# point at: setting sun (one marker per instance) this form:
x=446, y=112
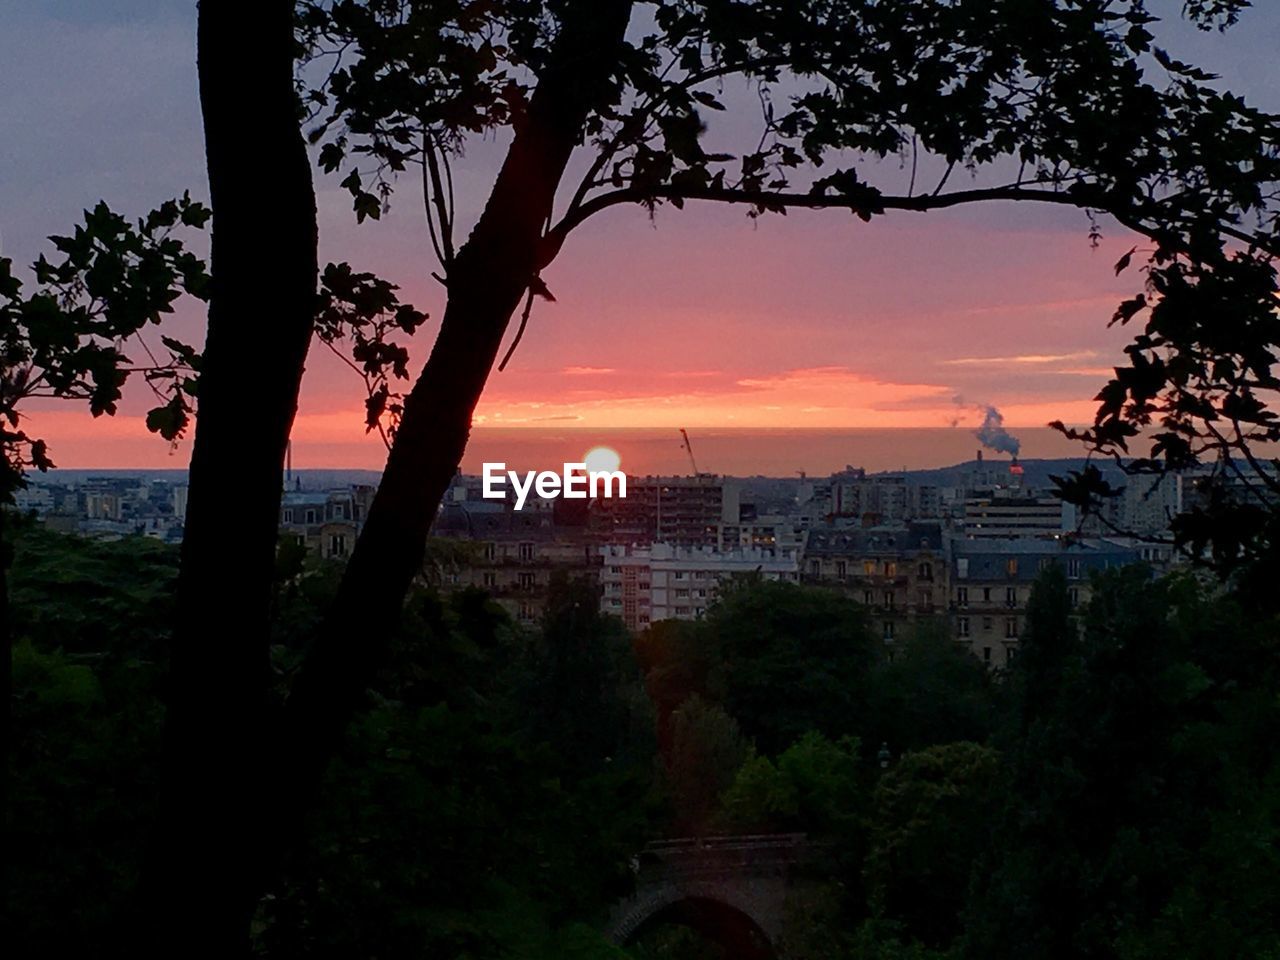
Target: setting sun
x=602, y=459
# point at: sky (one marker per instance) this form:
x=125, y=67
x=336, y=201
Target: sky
x=699, y=318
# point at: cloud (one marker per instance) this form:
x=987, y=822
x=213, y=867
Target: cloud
x=586, y=371
x=1036, y=359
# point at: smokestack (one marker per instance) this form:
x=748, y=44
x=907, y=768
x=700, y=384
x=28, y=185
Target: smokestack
x=979, y=456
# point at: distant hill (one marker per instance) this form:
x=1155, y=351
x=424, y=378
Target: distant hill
x=1035, y=473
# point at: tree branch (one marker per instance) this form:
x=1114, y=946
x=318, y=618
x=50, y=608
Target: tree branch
x=867, y=203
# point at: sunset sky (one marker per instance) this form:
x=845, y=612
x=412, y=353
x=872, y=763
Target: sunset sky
x=701, y=318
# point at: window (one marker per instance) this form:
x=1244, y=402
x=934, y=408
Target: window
x=926, y=600
x=842, y=569
x=1010, y=596
x=526, y=610
x=1073, y=596
x=288, y=516
x=1073, y=569
x=888, y=599
x=337, y=545
x=962, y=626
x=986, y=594
x=925, y=571
x=987, y=624
x=1011, y=628
x=986, y=654
x=962, y=596
x=311, y=516
x=611, y=569
x=1011, y=566
x=682, y=594
x=526, y=551
x=491, y=553
x=869, y=598
x=1044, y=563
x=888, y=629
x=869, y=567
x=962, y=567
x=678, y=575
x=815, y=567
x=490, y=579
x=526, y=581
x=890, y=568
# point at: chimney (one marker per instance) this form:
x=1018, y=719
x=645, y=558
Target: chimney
x=979, y=455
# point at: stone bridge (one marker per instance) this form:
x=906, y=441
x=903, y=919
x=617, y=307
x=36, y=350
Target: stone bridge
x=731, y=889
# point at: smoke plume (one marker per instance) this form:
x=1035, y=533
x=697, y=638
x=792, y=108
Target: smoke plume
x=994, y=436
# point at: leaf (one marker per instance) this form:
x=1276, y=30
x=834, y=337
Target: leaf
x=539, y=289
x=1123, y=263
x=169, y=420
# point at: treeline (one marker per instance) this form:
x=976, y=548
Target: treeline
x=1115, y=795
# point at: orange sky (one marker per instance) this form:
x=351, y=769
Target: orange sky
x=699, y=318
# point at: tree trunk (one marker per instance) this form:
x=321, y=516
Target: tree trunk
x=485, y=284
x=197, y=890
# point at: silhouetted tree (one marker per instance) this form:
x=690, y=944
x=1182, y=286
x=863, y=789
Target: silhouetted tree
x=1044, y=101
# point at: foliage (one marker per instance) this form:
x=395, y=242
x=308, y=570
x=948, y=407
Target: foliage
x=1047, y=101
x=88, y=621
x=706, y=751
x=65, y=340
x=366, y=309
x=932, y=691
x=815, y=786
x=85, y=597
x=790, y=659
x=928, y=825
x=583, y=693
x=1141, y=755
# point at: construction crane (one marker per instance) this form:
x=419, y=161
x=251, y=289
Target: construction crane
x=689, y=447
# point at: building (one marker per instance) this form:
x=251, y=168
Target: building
x=768, y=532
x=680, y=511
x=898, y=573
x=881, y=499
x=1007, y=514
x=513, y=555
x=645, y=584
x=991, y=580
x=325, y=522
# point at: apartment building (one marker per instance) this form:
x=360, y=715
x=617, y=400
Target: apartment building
x=1009, y=514
x=680, y=511
x=325, y=522
x=898, y=573
x=645, y=584
x=513, y=555
x=991, y=581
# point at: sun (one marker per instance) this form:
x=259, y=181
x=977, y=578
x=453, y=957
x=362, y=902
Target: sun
x=602, y=460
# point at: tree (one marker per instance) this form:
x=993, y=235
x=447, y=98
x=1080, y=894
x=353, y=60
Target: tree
x=791, y=659
x=707, y=748
x=927, y=828
x=1045, y=102
x=1126, y=785
x=583, y=693
x=933, y=691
